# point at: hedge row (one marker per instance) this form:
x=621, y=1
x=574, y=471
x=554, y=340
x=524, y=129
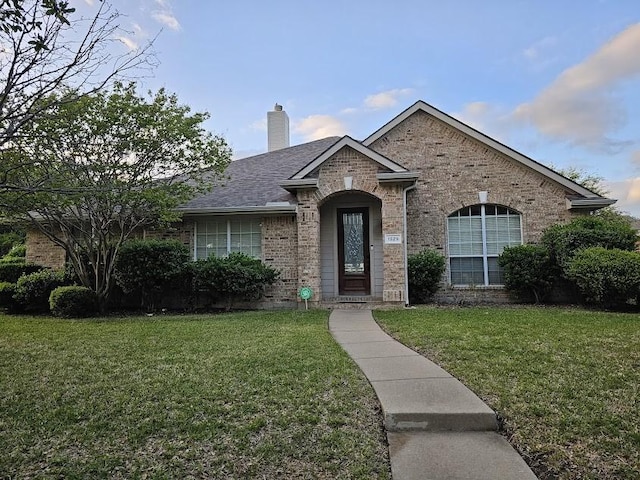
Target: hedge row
x=596, y=254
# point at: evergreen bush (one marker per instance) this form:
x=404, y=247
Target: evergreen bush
x=608, y=278
x=7, y=290
x=17, y=251
x=73, y=301
x=527, y=271
x=564, y=240
x=232, y=278
x=33, y=290
x=425, y=271
x=12, y=270
x=151, y=268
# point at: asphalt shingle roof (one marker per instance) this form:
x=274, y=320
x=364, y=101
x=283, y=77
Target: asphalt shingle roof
x=254, y=181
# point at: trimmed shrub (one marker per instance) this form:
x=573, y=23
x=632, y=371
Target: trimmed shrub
x=17, y=251
x=73, y=301
x=563, y=241
x=425, y=271
x=608, y=278
x=527, y=271
x=8, y=240
x=233, y=278
x=150, y=268
x=7, y=290
x=12, y=270
x=33, y=290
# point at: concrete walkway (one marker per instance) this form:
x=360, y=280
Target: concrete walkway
x=436, y=427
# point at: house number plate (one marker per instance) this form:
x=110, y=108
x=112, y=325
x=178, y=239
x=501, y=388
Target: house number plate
x=392, y=238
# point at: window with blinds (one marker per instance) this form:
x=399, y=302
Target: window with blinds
x=222, y=236
x=477, y=236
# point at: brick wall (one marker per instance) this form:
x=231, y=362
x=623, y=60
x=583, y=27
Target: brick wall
x=181, y=231
x=42, y=251
x=349, y=163
x=280, y=250
x=453, y=169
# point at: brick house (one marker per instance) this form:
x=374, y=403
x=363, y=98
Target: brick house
x=340, y=215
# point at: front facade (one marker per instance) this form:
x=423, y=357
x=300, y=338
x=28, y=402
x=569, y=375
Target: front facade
x=340, y=216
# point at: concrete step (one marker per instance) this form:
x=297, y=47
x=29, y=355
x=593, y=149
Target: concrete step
x=432, y=404
x=455, y=456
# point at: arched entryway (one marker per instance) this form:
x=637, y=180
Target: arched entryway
x=351, y=254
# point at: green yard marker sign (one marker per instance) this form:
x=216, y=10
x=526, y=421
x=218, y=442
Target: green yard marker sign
x=305, y=294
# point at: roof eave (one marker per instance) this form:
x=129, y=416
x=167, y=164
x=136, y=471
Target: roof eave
x=241, y=210
x=347, y=141
x=589, y=203
x=297, y=184
x=398, y=177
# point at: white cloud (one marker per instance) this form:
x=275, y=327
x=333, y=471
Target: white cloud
x=386, y=99
x=348, y=111
x=138, y=30
x=260, y=125
x=167, y=18
x=580, y=106
x=487, y=118
x=538, y=49
x=315, y=127
x=635, y=158
x=90, y=2
x=628, y=194
x=129, y=43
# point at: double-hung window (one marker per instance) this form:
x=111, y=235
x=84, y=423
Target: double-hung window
x=477, y=236
x=222, y=236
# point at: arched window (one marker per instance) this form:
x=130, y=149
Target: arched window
x=477, y=235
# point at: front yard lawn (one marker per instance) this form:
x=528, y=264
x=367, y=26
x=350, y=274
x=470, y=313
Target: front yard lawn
x=565, y=381
x=248, y=395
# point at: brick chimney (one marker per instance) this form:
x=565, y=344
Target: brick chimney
x=277, y=128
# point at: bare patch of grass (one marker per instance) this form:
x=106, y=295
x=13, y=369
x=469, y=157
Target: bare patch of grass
x=250, y=395
x=566, y=382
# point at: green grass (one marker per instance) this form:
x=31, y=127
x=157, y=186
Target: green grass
x=565, y=381
x=251, y=395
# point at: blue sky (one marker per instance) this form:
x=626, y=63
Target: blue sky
x=558, y=81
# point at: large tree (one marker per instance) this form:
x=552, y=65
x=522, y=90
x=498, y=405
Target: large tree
x=105, y=166
x=45, y=46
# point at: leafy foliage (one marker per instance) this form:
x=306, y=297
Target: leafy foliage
x=33, y=290
x=46, y=46
x=425, y=271
x=563, y=241
x=12, y=269
x=108, y=165
x=150, y=268
x=236, y=277
x=17, y=251
x=73, y=301
x=527, y=271
x=8, y=240
x=587, y=180
x=7, y=290
x=609, y=278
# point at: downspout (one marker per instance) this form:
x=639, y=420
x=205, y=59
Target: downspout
x=404, y=233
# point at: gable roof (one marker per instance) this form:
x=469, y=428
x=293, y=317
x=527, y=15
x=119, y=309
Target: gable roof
x=490, y=142
x=347, y=141
x=252, y=184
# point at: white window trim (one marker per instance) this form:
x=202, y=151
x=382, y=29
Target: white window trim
x=228, y=227
x=485, y=255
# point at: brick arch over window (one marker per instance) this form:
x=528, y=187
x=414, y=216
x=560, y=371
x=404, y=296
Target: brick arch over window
x=476, y=236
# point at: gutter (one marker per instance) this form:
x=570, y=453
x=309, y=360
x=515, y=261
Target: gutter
x=248, y=210
x=404, y=233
